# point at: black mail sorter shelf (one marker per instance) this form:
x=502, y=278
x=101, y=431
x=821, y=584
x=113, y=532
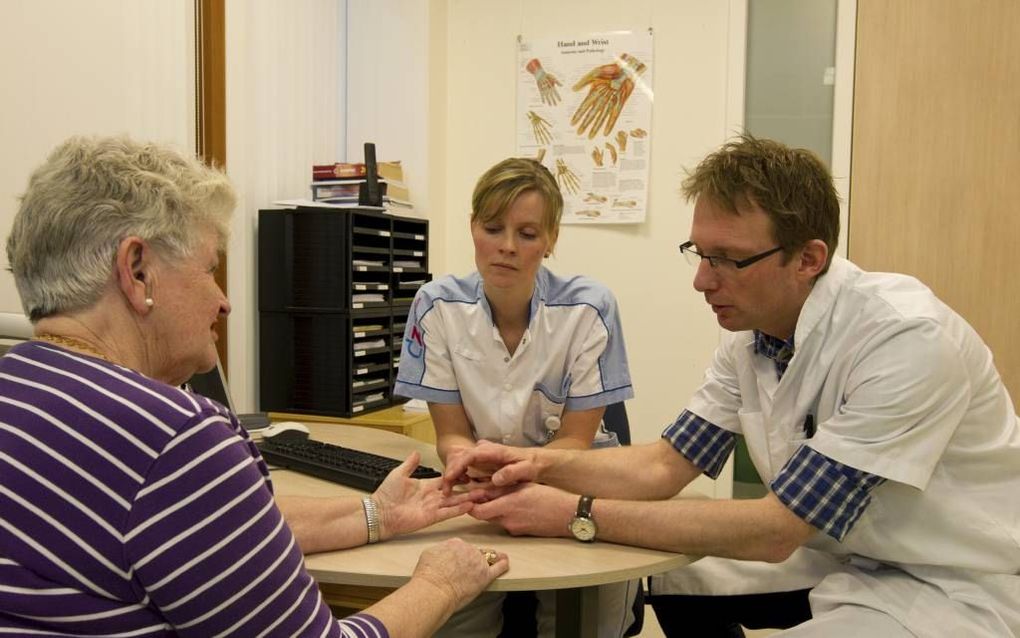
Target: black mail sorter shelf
x=334, y=291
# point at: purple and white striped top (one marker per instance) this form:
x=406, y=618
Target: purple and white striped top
x=132, y=508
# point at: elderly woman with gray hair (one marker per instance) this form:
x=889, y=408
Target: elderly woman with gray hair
x=128, y=506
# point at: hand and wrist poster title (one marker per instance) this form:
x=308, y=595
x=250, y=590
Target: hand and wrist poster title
x=584, y=109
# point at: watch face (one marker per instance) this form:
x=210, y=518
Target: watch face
x=583, y=529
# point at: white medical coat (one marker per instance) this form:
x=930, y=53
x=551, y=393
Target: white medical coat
x=900, y=386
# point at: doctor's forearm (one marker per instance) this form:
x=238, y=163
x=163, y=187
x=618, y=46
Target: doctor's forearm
x=640, y=472
x=760, y=529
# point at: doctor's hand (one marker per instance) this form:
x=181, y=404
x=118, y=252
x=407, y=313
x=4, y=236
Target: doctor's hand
x=474, y=474
x=528, y=509
x=406, y=504
x=502, y=465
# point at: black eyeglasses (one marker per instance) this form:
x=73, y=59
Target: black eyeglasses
x=694, y=257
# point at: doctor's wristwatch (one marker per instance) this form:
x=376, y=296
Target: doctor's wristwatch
x=583, y=526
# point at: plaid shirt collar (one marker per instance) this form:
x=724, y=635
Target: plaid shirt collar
x=779, y=350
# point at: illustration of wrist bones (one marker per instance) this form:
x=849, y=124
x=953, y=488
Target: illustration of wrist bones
x=540, y=128
x=566, y=178
x=610, y=86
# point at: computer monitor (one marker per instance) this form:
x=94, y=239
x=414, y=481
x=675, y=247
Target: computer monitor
x=213, y=385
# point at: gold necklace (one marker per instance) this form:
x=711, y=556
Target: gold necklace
x=74, y=343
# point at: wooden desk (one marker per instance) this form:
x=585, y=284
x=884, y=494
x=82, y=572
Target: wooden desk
x=574, y=569
x=417, y=425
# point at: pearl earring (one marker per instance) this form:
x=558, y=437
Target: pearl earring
x=149, y=302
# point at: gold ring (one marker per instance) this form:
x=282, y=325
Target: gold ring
x=490, y=556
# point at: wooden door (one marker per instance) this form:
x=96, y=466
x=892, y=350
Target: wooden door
x=935, y=171
x=211, y=116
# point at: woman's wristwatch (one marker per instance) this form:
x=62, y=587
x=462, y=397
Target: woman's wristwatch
x=583, y=526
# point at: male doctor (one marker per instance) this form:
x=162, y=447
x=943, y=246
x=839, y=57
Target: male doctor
x=872, y=411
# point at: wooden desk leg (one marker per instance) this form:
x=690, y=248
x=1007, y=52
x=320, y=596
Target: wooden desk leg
x=577, y=612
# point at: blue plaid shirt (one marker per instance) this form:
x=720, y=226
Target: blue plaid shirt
x=825, y=493
x=702, y=443
x=779, y=350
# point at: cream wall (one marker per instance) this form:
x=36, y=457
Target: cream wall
x=127, y=66
x=446, y=106
x=670, y=332
x=285, y=111
x=388, y=83
x=72, y=67
x=465, y=51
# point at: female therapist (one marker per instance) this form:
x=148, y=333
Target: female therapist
x=513, y=353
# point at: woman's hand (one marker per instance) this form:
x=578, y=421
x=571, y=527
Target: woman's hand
x=446, y=578
x=459, y=569
x=406, y=504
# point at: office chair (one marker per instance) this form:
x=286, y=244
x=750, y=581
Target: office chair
x=615, y=420
x=15, y=325
x=519, y=606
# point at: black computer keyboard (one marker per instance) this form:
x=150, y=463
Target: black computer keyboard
x=354, y=468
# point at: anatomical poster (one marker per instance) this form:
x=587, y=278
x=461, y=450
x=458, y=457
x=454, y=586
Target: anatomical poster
x=584, y=109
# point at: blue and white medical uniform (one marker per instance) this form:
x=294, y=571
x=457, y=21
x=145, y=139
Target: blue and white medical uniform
x=571, y=357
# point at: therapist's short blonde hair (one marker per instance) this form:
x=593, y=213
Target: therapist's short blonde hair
x=792, y=185
x=502, y=184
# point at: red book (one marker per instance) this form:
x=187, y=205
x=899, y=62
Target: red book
x=340, y=170
x=392, y=171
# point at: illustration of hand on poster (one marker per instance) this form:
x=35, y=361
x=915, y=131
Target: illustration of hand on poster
x=540, y=128
x=609, y=86
x=593, y=135
x=546, y=82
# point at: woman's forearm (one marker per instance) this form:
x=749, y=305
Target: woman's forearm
x=417, y=609
x=325, y=524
